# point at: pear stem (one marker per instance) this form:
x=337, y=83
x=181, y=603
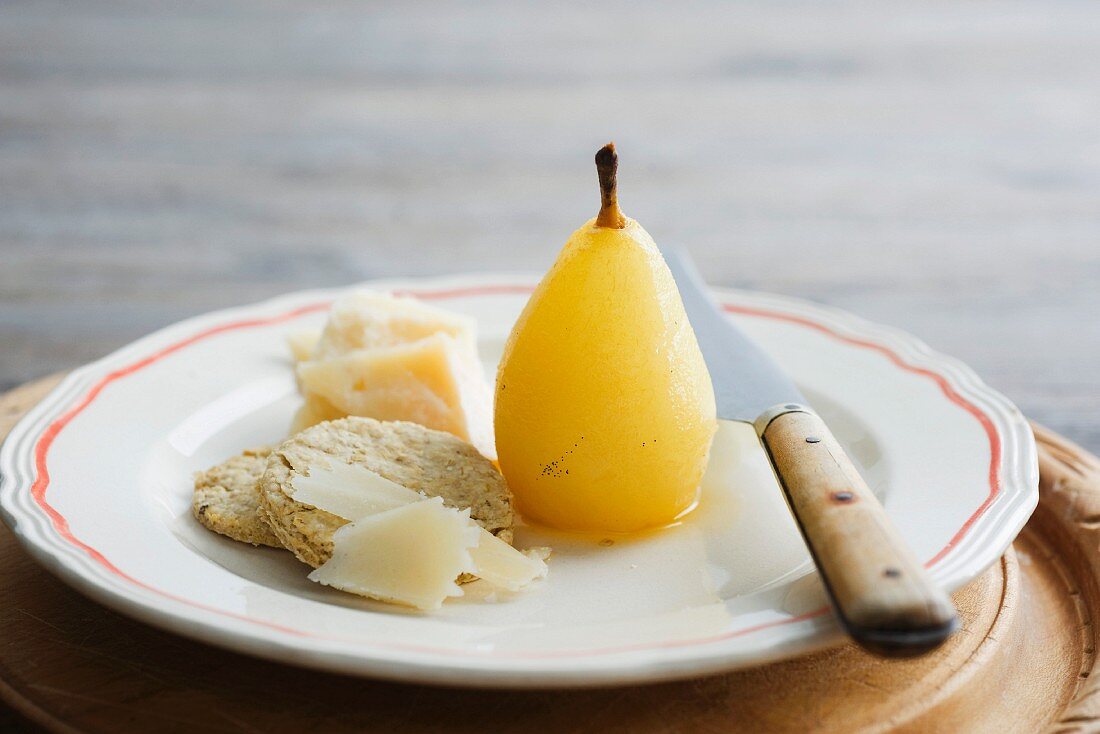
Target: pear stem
x=607, y=165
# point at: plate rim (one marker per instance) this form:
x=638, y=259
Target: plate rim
x=1017, y=463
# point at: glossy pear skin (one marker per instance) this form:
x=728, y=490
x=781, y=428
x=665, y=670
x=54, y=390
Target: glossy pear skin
x=604, y=408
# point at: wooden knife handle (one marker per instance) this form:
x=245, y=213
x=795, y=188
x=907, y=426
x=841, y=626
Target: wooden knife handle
x=881, y=593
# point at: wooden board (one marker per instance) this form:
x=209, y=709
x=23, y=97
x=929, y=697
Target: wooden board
x=1021, y=663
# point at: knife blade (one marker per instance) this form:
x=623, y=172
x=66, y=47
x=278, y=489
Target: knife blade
x=881, y=594
x=747, y=382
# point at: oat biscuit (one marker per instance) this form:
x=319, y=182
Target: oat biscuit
x=227, y=501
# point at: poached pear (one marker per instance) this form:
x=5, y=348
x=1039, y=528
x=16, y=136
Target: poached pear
x=604, y=409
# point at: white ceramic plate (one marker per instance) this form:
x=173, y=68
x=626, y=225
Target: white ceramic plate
x=96, y=483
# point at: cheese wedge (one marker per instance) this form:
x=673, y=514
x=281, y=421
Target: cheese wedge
x=390, y=358
x=302, y=343
x=436, y=382
x=408, y=555
x=368, y=320
x=313, y=411
x=355, y=493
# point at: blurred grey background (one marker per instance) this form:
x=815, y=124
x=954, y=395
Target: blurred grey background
x=935, y=166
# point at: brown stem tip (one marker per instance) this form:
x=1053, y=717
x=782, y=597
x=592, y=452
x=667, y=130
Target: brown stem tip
x=607, y=165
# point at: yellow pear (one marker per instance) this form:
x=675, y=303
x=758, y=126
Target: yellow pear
x=604, y=408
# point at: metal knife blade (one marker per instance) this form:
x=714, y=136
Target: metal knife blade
x=747, y=382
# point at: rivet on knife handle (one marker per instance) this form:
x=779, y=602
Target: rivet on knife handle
x=881, y=593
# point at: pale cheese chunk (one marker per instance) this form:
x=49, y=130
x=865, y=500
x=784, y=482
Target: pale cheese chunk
x=351, y=492
x=313, y=411
x=302, y=343
x=436, y=382
x=368, y=320
x=408, y=555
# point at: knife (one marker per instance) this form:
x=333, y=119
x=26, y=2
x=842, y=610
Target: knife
x=882, y=596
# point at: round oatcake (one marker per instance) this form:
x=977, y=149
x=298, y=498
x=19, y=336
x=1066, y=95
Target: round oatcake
x=424, y=460
x=227, y=500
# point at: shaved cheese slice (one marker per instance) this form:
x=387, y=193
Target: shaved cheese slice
x=502, y=565
x=409, y=555
x=355, y=493
x=541, y=552
x=436, y=382
x=302, y=343
x=368, y=320
x=350, y=491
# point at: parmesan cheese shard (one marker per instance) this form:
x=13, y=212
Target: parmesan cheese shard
x=541, y=553
x=436, y=382
x=351, y=492
x=357, y=494
x=369, y=320
x=408, y=555
x=502, y=565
